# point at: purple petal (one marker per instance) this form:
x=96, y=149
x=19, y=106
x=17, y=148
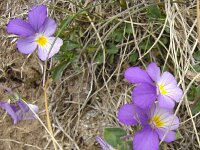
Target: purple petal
x=49, y=27
x=10, y=109
x=22, y=106
x=169, y=137
x=104, y=145
x=43, y=51
x=137, y=75
x=27, y=45
x=144, y=95
x=20, y=28
x=154, y=71
x=167, y=78
x=165, y=102
x=29, y=114
x=37, y=16
x=146, y=139
x=128, y=115
x=174, y=92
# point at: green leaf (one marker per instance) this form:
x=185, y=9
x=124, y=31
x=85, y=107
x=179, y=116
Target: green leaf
x=99, y=58
x=196, y=68
x=117, y=35
x=153, y=12
x=178, y=135
x=69, y=45
x=128, y=29
x=112, y=49
x=126, y=146
x=133, y=58
x=113, y=136
x=122, y=3
x=145, y=45
x=58, y=71
x=164, y=40
x=196, y=107
x=197, y=55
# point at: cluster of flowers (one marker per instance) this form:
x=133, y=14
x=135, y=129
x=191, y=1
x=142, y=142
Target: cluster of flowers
x=154, y=98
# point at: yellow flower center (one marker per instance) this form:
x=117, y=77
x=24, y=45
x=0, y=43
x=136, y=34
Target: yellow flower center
x=157, y=121
x=42, y=40
x=162, y=89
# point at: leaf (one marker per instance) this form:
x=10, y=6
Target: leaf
x=113, y=136
x=122, y=3
x=153, y=12
x=128, y=29
x=178, y=135
x=197, y=55
x=196, y=68
x=112, y=49
x=69, y=45
x=145, y=45
x=99, y=58
x=164, y=40
x=196, y=107
x=126, y=145
x=117, y=35
x=133, y=58
x=58, y=71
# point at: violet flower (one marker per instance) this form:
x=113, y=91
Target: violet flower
x=20, y=111
x=157, y=123
x=36, y=32
x=152, y=85
x=104, y=145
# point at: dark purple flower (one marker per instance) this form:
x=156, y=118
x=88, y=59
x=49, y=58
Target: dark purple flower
x=21, y=111
x=36, y=33
x=157, y=123
x=104, y=145
x=152, y=85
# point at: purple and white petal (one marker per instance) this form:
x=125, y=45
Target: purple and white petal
x=48, y=28
x=154, y=71
x=127, y=115
x=43, y=51
x=165, y=102
x=168, y=136
x=167, y=78
x=11, y=110
x=137, y=75
x=20, y=27
x=27, y=45
x=37, y=16
x=174, y=92
x=144, y=95
x=146, y=139
x=22, y=106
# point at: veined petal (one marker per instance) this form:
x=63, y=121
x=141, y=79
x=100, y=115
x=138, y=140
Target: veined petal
x=144, y=95
x=49, y=27
x=11, y=110
x=167, y=78
x=146, y=139
x=44, y=50
x=169, y=136
x=27, y=45
x=154, y=71
x=137, y=75
x=37, y=16
x=174, y=92
x=165, y=102
x=20, y=27
x=130, y=114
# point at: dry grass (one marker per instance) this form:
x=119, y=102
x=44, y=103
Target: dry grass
x=86, y=100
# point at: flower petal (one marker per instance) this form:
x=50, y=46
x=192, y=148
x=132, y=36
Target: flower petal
x=167, y=78
x=11, y=110
x=154, y=71
x=144, y=95
x=137, y=75
x=49, y=27
x=169, y=137
x=44, y=50
x=127, y=114
x=146, y=139
x=20, y=28
x=165, y=102
x=27, y=45
x=37, y=16
x=174, y=92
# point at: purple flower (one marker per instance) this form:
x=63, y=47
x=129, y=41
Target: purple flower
x=104, y=145
x=20, y=111
x=157, y=123
x=36, y=33
x=152, y=85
